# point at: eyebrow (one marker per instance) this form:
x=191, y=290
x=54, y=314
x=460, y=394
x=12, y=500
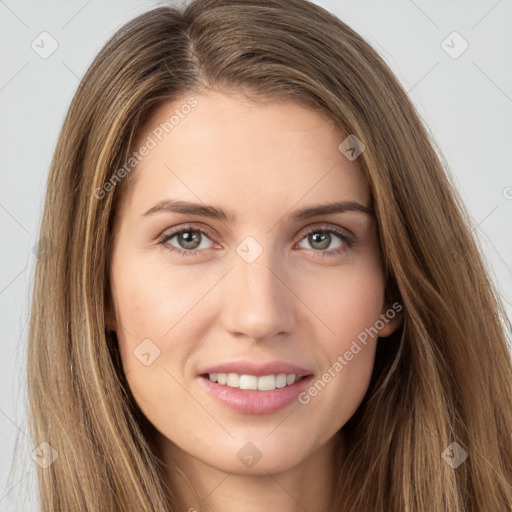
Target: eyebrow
x=212, y=212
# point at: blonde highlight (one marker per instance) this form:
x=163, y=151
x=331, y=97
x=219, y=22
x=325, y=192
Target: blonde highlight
x=449, y=358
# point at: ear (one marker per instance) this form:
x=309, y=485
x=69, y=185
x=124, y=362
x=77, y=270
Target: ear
x=391, y=317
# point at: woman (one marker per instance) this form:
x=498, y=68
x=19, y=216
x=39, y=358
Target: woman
x=193, y=348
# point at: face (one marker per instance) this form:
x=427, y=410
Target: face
x=249, y=287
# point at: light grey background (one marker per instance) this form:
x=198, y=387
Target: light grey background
x=465, y=101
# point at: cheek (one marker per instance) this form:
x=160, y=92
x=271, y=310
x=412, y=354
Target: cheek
x=152, y=298
x=158, y=328
x=349, y=308
x=152, y=354
x=346, y=301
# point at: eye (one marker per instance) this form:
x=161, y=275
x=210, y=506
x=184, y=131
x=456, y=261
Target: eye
x=320, y=238
x=189, y=238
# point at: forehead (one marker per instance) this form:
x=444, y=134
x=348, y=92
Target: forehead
x=246, y=155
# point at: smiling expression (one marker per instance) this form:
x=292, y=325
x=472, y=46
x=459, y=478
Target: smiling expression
x=222, y=265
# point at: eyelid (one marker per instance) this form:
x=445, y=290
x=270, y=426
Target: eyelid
x=187, y=227
x=346, y=235
x=321, y=226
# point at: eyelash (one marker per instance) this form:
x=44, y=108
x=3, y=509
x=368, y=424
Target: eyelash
x=346, y=239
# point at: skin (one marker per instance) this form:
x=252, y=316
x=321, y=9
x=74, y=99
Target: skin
x=214, y=306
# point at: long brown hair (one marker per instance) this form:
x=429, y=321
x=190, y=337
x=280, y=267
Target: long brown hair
x=445, y=377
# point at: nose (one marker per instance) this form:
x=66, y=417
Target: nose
x=258, y=301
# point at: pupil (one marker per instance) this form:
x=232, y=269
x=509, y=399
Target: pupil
x=324, y=239
x=187, y=237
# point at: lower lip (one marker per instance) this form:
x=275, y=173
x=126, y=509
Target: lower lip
x=248, y=401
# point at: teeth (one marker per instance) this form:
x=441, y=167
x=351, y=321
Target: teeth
x=265, y=383
x=281, y=380
x=233, y=380
x=248, y=382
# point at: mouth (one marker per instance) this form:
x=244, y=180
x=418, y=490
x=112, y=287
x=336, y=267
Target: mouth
x=257, y=393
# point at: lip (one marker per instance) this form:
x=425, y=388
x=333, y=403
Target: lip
x=253, y=402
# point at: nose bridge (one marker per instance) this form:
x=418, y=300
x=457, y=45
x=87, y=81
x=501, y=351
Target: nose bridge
x=257, y=303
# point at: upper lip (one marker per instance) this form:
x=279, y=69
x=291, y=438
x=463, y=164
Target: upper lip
x=258, y=370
